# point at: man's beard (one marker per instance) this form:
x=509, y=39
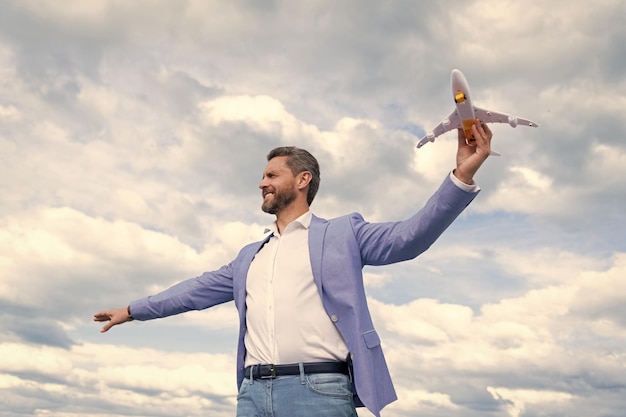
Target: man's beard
x=280, y=200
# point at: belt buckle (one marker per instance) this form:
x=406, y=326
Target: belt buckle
x=272, y=373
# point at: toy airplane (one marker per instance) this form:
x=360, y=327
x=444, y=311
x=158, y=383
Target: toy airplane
x=465, y=114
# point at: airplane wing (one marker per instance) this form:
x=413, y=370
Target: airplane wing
x=489, y=116
x=451, y=122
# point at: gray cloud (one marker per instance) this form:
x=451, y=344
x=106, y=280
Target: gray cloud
x=133, y=137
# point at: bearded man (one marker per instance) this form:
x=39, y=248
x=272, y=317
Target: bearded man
x=307, y=345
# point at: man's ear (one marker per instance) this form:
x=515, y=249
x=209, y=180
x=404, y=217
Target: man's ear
x=304, y=178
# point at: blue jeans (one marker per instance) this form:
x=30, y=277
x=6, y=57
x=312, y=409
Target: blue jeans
x=310, y=395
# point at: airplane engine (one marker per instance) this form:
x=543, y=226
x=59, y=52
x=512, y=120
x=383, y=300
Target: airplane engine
x=513, y=121
x=430, y=137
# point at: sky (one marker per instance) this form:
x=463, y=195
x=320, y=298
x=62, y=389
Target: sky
x=133, y=137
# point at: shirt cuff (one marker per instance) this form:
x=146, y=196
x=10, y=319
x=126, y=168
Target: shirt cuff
x=474, y=188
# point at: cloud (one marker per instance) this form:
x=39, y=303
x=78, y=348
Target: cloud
x=531, y=344
x=106, y=376
x=518, y=399
x=133, y=136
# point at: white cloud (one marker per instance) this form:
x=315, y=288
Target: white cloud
x=157, y=382
x=528, y=191
x=259, y=112
x=518, y=399
x=18, y=358
x=133, y=135
x=54, y=247
x=606, y=162
x=9, y=113
x=418, y=401
x=539, y=335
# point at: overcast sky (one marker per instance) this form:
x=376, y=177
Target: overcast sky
x=133, y=136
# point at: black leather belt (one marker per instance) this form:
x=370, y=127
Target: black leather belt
x=272, y=371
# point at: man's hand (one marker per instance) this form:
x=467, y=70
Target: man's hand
x=470, y=158
x=114, y=317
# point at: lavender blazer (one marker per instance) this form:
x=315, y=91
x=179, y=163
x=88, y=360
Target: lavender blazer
x=339, y=248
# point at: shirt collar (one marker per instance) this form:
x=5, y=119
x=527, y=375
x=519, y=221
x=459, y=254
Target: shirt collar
x=302, y=222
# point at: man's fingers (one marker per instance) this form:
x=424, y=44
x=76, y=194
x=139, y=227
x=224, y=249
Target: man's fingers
x=101, y=316
x=112, y=321
x=483, y=136
x=479, y=132
x=114, y=317
x=487, y=130
x=482, y=129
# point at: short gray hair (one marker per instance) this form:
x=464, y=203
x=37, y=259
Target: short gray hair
x=300, y=160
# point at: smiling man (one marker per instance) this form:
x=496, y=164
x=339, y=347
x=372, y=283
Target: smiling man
x=307, y=346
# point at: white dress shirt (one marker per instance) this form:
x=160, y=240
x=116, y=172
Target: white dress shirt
x=473, y=188
x=286, y=321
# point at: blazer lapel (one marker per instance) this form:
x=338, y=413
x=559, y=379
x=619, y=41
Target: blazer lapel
x=317, y=231
x=246, y=261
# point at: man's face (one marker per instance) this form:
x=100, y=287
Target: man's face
x=278, y=186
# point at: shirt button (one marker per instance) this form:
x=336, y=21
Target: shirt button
x=334, y=318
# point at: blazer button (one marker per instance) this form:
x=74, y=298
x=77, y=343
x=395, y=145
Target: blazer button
x=334, y=318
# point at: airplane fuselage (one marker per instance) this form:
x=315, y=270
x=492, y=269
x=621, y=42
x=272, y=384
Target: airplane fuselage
x=465, y=110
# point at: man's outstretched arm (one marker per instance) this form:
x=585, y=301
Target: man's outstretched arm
x=204, y=291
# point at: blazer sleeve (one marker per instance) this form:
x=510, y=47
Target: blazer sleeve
x=204, y=291
x=386, y=243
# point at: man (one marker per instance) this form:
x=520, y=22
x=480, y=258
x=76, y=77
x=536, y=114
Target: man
x=306, y=338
